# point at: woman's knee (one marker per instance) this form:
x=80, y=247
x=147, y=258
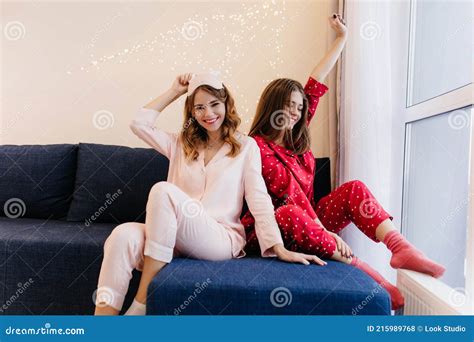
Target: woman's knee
x=162, y=188
x=288, y=212
x=356, y=184
x=287, y=209
x=125, y=236
x=165, y=192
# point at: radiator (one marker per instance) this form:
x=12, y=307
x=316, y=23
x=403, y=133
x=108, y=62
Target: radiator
x=425, y=295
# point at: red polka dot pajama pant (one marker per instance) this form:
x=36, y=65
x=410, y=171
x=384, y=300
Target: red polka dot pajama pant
x=351, y=202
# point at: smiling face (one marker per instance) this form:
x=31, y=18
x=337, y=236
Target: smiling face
x=294, y=108
x=208, y=111
x=286, y=96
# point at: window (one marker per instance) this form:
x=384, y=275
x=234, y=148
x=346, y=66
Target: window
x=435, y=206
x=438, y=179
x=441, y=51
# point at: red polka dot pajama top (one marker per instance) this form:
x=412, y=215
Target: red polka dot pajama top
x=289, y=179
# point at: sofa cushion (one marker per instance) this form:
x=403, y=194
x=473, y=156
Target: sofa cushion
x=55, y=263
x=8, y=232
x=262, y=286
x=36, y=180
x=113, y=182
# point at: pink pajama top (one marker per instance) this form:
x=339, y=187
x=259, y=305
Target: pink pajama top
x=221, y=185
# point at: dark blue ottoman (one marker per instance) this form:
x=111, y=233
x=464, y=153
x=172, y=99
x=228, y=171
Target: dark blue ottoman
x=260, y=286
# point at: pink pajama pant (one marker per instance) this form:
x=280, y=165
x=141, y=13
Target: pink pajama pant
x=175, y=225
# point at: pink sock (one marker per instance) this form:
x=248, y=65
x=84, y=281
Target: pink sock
x=405, y=255
x=395, y=296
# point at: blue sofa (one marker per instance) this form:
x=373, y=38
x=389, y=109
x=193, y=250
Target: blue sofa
x=58, y=204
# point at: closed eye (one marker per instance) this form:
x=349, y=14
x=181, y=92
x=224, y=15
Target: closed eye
x=293, y=104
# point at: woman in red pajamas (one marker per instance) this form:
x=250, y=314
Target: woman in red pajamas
x=280, y=128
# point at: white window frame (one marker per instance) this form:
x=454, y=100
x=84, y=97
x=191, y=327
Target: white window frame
x=455, y=99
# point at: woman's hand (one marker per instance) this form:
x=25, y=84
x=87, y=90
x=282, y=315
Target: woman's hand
x=181, y=83
x=342, y=246
x=338, y=25
x=288, y=256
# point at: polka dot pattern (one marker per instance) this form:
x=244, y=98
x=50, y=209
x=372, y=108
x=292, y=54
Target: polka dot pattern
x=347, y=204
x=302, y=234
x=313, y=91
x=289, y=179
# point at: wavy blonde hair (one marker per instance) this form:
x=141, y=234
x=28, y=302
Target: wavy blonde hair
x=193, y=135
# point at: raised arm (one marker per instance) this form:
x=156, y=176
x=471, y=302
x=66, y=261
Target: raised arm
x=143, y=124
x=322, y=69
x=178, y=88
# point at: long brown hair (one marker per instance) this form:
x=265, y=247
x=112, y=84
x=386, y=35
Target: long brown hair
x=270, y=119
x=194, y=135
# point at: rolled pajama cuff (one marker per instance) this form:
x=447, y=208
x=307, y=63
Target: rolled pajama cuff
x=106, y=296
x=158, y=252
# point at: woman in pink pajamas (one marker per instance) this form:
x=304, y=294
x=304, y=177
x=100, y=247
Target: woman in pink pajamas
x=196, y=212
x=280, y=128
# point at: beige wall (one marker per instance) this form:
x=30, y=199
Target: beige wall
x=77, y=72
